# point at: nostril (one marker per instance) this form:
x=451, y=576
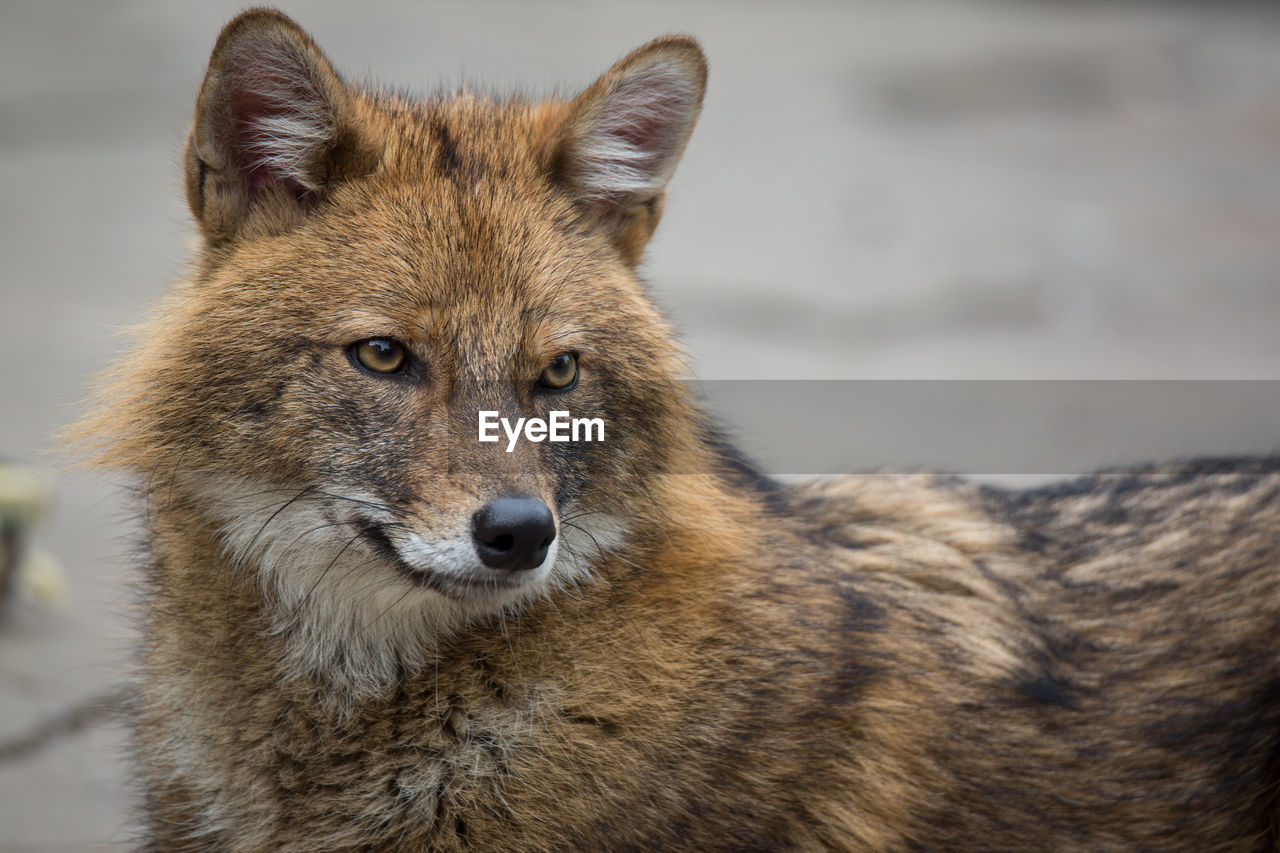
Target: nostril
x=513, y=533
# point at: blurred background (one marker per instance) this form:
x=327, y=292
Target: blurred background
x=937, y=189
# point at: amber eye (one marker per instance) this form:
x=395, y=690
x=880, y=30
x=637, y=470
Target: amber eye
x=381, y=355
x=561, y=373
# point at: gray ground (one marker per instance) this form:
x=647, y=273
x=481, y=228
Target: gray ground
x=877, y=190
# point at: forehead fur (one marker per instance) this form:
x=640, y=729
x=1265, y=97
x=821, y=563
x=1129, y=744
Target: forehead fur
x=459, y=211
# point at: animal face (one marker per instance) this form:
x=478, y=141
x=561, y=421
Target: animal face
x=375, y=273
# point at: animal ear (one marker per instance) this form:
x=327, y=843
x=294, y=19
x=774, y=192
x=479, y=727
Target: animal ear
x=274, y=129
x=625, y=134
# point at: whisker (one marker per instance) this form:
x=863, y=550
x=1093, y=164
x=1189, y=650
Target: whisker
x=386, y=610
x=306, y=599
x=384, y=507
x=248, y=549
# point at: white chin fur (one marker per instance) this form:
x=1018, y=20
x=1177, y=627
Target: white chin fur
x=453, y=562
x=347, y=615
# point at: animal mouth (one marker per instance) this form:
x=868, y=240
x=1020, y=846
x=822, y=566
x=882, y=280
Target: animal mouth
x=459, y=588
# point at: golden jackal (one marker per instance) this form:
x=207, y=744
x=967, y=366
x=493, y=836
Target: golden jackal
x=371, y=625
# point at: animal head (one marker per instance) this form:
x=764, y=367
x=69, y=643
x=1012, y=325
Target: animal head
x=374, y=272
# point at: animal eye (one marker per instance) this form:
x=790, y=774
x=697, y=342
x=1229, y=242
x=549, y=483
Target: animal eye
x=561, y=373
x=381, y=355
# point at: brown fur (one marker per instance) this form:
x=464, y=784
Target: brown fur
x=870, y=663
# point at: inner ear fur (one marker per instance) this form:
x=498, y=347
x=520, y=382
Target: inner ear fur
x=625, y=134
x=274, y=129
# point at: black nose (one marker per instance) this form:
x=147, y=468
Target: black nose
x=513, y=533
